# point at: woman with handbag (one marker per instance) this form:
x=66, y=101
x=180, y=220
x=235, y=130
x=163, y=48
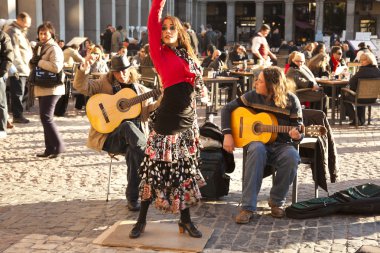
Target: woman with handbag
x=48, y=57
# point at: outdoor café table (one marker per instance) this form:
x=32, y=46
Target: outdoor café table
x=248, y=79
x=214, y=83
x=333, y=84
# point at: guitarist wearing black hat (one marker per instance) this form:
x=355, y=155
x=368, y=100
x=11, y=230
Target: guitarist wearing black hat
x=124, y=135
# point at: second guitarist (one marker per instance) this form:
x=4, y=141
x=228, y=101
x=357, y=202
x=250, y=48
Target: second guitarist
x=129, y=138
x=272, y=95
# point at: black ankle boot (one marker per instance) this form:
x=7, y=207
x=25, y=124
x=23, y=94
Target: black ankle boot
x=137, y=229
x=190, y=228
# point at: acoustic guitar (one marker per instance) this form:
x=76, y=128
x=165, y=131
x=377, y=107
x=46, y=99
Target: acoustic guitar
x=105, y=112
x=247, y=126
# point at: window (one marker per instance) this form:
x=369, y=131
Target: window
x=368, y=25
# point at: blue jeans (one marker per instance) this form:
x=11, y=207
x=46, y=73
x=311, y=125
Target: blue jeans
x=283, y=156
x=3, y=105
x=53, y=141
x=17, y=88
x=129, y=140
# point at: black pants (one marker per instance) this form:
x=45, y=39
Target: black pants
x=53, y=141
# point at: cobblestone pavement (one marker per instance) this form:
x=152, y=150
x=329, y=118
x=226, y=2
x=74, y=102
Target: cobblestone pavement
x=58, y=205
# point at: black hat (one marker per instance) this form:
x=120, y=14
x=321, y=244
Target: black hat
x=119, y=63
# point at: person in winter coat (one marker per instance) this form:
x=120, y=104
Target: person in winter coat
x=50, y=58
x=6, y=59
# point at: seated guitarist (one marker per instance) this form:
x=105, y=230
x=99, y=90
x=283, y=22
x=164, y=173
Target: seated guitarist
x=129, y=137
x=271, y=95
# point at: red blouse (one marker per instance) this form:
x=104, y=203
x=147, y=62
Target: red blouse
x=171, y=68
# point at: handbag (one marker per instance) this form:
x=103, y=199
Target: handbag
x=44, y=78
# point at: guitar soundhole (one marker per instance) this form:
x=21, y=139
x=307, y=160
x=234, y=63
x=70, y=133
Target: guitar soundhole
x=122, y=105
x=256, y=127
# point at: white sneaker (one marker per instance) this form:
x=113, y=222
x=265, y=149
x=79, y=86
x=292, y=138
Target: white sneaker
x=3, y=134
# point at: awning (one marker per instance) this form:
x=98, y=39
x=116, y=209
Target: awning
x=300, y=24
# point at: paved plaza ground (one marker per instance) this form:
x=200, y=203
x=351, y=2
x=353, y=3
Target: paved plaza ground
x=58, y=205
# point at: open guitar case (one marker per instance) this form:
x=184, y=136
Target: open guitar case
x=361, y=199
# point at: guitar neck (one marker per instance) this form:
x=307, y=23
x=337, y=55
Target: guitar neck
x=142, y=97
x=275, y=129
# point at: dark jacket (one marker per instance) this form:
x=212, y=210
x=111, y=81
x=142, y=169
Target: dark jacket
x=327, y=156
x=302, y=76
x=6, y=53
x=370, y=71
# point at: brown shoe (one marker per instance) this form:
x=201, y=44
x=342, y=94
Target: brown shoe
x=244, y=216
x=276, y=211
x=9, y=125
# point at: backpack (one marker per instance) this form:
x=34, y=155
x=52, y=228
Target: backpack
x=212, y=131
x=214, y=162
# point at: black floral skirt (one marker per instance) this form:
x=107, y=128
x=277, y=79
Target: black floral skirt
x=169, y=173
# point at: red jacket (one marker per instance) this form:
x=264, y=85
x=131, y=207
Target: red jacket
x=171, y=68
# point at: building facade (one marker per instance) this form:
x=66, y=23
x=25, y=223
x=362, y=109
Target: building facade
x=298, y=20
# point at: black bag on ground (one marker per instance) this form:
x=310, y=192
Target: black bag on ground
x=212, y=167
x=212, y=131
x=361, y=199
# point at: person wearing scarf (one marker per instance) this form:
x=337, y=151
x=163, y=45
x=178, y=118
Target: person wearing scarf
x=304, y=78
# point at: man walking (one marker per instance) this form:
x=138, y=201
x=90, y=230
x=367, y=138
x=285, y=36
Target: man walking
x=6, y=59
x=19, y=72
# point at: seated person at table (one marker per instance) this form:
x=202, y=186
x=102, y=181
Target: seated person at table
x=71, y=55
x=319, y=48
x=362, y=49
x=336, y=59
x=129, y=138
x=289, y=61
x=98, y=66
x=219, y=63
x=368, y=69
x=147, y=60
x=304, y=78
x=210, y=51
x=238, y=54
x=123, y=51
x=272, y=95
x=319, y=65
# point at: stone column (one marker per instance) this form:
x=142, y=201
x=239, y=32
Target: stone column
x=139, y=13
x=230, y=33
x=120, y=12
x=34, y=9
x=74, y=18
x=259, y=14
x=350, y=20
x=81, y=17
x=107, y=14
x=289, y=20
x=62, y=22
x=8, y=9
x=92, y=28
x=202, y=14
x=127, y=6
x=189, y=11
x=319, y=18
x=54, y=11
